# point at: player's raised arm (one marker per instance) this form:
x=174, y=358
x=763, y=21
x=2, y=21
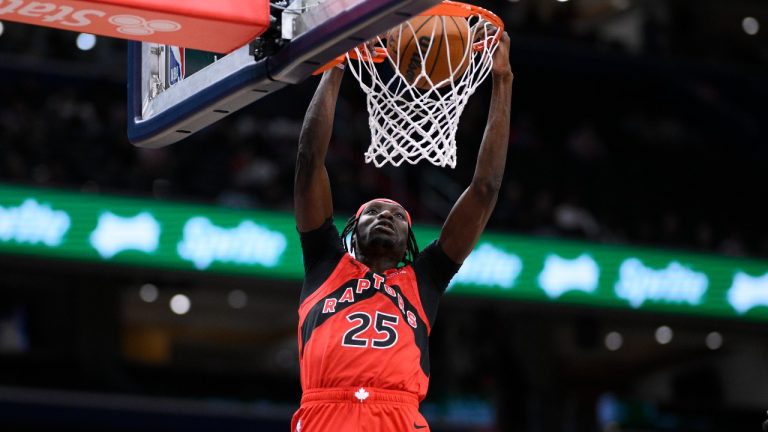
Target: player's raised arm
x=472, y=210
x=311, y=189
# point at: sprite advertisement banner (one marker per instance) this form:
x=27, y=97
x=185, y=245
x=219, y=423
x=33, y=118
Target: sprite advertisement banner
x=108, y=229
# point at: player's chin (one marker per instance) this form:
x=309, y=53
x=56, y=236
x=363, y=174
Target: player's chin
x=384, y=240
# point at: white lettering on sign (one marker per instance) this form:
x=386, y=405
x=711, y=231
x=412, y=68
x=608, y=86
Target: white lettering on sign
x=673, y=284
x=488, y=265
x=53, y=13
x=115, y=234
x=248, y=244
x=33, y=223
x=747, y=292
x=561, y=275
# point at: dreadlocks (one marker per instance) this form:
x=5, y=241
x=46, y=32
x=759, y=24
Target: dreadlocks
x=411, y=250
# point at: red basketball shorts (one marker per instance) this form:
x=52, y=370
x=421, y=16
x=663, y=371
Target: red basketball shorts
x=358, y=410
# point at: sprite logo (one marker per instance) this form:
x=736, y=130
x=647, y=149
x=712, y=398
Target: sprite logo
x=246, y=244
x=561, y=275
x=115, y=234
x=676, y=283
x=33, y=223
x=49, y=13
x=488, y=265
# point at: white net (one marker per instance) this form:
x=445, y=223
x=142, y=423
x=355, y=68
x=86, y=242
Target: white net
x=411, y=116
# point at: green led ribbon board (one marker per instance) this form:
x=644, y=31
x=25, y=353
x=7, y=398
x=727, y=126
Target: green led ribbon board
x=108, y=229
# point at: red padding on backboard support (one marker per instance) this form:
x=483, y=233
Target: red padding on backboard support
x=210, y=25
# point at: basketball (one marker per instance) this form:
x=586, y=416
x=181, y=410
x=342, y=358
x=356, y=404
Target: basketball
x=417, y=53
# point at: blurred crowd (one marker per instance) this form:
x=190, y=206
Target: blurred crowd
x=622, y=131
x=592, y=156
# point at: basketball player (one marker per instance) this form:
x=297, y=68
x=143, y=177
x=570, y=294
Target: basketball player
x=365, y=316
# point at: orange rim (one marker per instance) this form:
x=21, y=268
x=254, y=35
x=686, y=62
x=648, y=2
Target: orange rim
x=464, y=10
x=446, y=8
x=378, y=57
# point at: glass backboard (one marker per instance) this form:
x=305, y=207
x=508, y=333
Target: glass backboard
x=173, y=92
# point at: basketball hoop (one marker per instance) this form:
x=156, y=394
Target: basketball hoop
x=414, y=114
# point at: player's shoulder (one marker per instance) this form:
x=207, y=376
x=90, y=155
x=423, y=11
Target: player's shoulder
x=434, y=251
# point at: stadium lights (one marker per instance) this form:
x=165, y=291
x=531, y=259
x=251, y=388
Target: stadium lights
x=237, y=299
x=750, y=25
x=180, y=304
x=86, y=41
x=664, y=335
x=714, y=340
x=148, y=293
x=614, y=341
x=621, y=4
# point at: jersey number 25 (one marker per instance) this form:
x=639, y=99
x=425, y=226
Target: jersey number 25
x=384, y=326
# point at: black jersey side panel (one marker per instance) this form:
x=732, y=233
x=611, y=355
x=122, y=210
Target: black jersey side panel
x=322, y=249
x=434, y=271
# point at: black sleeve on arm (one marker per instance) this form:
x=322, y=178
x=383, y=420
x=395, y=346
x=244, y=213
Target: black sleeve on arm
x=321, y=249
x=434, y=271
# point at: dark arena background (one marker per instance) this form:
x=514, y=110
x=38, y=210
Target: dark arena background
x=622, y=284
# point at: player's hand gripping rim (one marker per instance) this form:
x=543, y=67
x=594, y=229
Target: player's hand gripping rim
x=501, y=67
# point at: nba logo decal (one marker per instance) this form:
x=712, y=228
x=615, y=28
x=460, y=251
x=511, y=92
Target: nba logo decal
x=175, y=65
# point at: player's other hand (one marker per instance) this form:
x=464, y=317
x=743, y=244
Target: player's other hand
x=501, y=67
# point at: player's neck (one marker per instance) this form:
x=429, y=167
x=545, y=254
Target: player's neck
x=377, y=263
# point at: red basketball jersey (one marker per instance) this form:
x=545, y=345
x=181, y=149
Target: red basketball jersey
x=358, y=328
